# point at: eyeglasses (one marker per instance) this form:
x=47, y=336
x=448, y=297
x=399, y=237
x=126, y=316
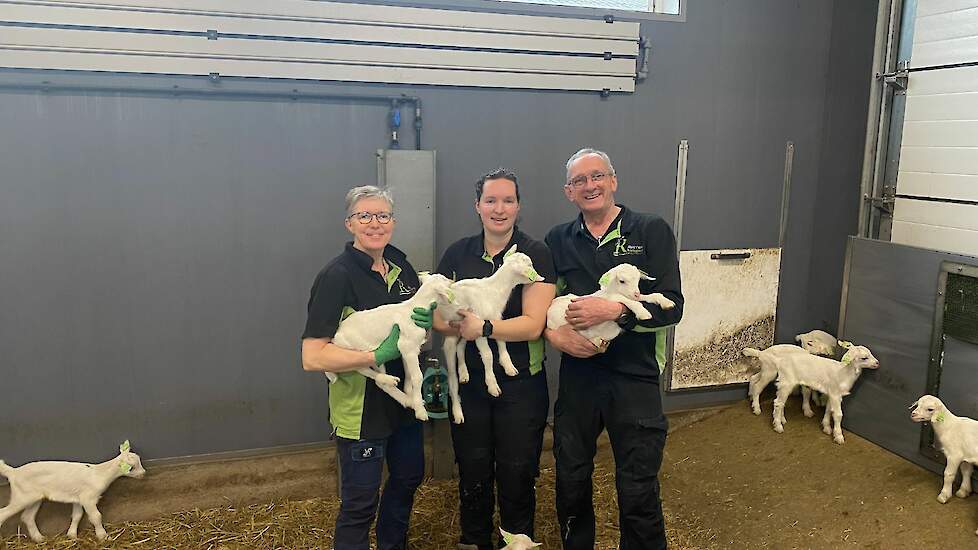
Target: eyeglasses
x=596, y=177
x=366, y=217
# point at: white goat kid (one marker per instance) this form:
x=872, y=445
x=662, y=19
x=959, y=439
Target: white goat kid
x=485, y=297
x=75, y=483
x=365, y=330
x=833, y=378
x=818, y=342
x=517, y=542
x=958, y=438
x=618, y=284
x=815, y=342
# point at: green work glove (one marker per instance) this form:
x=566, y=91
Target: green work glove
x=422, y=315
x=387, y=350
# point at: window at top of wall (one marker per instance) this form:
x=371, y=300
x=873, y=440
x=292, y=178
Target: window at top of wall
x=667, y=7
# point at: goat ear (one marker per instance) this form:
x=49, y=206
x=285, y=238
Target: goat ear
x=124, y=447
x=645, y=275
x=845, y=344
x=914, y=406
x=507, y=536
x=448, y=293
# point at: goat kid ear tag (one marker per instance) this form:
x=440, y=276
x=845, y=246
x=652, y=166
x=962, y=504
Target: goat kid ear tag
x=603, y=280
x=124, y=447
x=846, y=359
x=125, y=467
x=531, y=274
x=939, y=417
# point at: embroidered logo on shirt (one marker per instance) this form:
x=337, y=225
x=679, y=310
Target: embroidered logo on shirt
x=403, y=289
x=622, y=248
x=367, y=452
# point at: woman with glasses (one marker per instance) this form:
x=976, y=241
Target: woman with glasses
x=498, y=446
x=370, y=427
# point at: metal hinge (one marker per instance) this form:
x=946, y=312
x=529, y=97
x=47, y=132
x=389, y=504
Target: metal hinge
x=897, y=79
x=884, y=203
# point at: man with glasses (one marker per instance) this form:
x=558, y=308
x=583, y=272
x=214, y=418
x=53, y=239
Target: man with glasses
x=617, y=389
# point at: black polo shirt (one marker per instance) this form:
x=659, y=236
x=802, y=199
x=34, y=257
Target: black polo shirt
x=358, y=409
x=643, y=240
x=467, y=259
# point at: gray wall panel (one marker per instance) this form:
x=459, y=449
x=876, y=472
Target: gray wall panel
x=892, y=295
x=158, y=250
x=840, y=162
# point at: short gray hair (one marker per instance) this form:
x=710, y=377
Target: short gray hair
x=365, y=192
x=589, y=151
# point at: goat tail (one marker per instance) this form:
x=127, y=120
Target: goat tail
x=751, y=352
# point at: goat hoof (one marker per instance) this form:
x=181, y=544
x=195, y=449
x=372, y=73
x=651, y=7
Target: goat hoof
x=37, y=539
x=779, y=429
x=463, y=376
x=510, y=371
x=809, y=413
x=961, y=493
x=495, y=391
x=943, y=498
x=826, y=430
x=101, y=536
x=756, y=411
x=839, y=439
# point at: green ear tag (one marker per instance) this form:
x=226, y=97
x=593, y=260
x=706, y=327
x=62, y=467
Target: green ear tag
x=531, y=274
x=451, y=296
x=125, y=467
x=603, y=280
x=847, y=358
x=124, y=447
x=510, y=252
x=939, y=417
x=508, y=538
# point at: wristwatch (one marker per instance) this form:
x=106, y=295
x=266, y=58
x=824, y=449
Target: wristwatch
x=626, y=319
x=487, y=328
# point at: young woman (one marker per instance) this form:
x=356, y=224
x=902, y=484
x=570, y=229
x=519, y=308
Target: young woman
x=498, y=446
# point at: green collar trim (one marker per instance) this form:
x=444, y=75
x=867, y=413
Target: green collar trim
x=613, y=234
x=392, y=272
x=487, y=257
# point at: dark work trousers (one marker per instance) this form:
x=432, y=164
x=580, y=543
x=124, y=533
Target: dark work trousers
x=499, y=444
x=589, y=400
x=361, y=469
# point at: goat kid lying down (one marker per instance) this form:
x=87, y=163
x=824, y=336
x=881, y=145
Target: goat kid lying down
x=618, y=284
x=958, y=440
x=517, y=542
x=368, y=329
x=815, y=342
x=75, y=483
x=486, y=298
x=833, y=378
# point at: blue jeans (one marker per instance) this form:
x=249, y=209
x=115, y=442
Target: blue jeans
x=361, y=468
